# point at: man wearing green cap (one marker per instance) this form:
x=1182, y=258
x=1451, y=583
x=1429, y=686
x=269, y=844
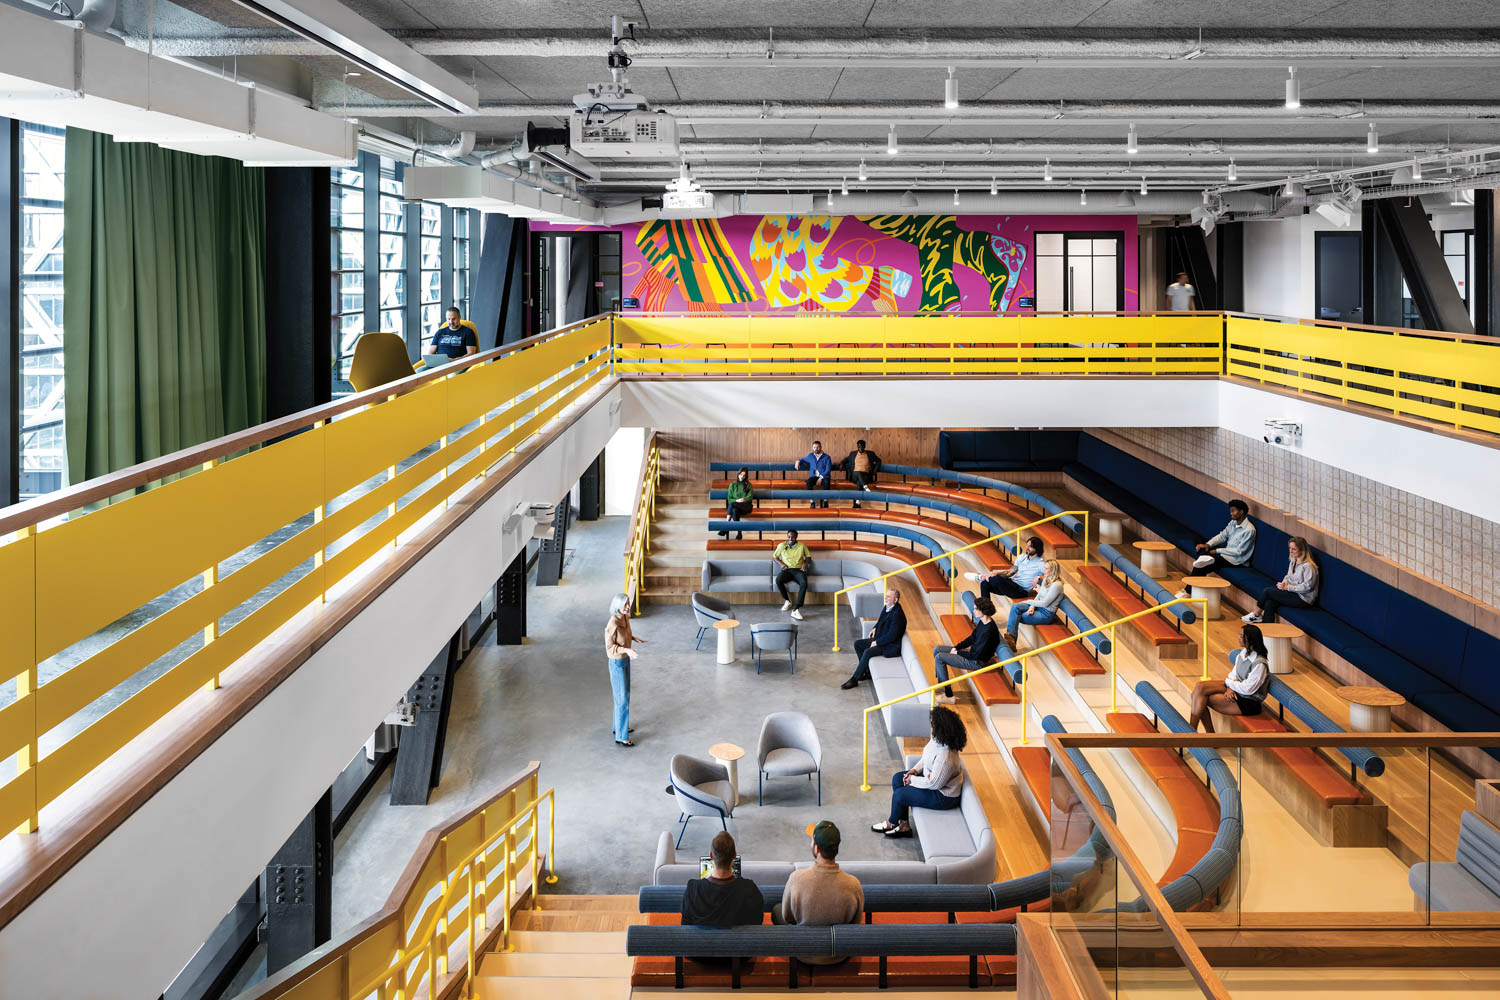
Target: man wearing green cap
x=822, y=894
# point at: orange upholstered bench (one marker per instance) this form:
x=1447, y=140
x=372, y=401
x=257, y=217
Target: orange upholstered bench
x=1035, y=764
x=994, y=687
x=1125, y=602
x=1194, y=808
x=1308, y=766
x=991, y=555
x=1074, y=657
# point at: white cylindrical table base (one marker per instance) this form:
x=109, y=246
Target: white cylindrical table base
x=729, y=755
x=1111, y=528
x=1369, y=718
x=726, y=639
x=1279, y=636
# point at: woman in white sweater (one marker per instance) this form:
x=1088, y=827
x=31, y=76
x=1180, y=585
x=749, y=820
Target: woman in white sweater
x=1243, y=691
x=1298, y=589
x=1041, y=609
x=937, y=780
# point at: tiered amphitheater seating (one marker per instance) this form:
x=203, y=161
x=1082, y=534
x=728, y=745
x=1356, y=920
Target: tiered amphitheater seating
x=1111, y=584
x=929, y=577
x=998, y=687
x=1075, y=657
x=850, y=526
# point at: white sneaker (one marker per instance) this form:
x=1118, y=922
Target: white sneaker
x=945, y=699
x=973, y=577
x=1181, y=595
x=786, y=605
x=797, y=614
x=1203, y=562
x=1251, y=619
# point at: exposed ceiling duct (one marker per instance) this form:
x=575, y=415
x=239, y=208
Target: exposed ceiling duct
x=61, y=73
x=488, y=191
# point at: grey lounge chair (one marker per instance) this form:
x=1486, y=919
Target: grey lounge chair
x=702, y=788
x=708, y=609
x=773, y=636
x=789, y=746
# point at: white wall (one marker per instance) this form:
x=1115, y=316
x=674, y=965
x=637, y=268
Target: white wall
x=1281, y=264
x=622, y=465
x=126, y=918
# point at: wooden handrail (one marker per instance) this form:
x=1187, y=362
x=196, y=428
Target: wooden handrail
x=71, y=498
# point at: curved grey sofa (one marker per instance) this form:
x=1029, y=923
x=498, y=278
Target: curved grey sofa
x=894, y=676
x=750, y=576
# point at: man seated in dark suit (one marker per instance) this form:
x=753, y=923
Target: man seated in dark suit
x=884, y=638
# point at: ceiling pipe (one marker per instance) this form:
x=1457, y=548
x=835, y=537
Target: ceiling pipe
x=1032, y=149
x=98, y=16
x=455, y=150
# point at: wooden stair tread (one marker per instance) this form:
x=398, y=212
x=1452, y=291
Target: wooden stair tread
x=1125, y=602
x=620, y=902
x=550, y=988
x=567, y=942
x=561, y=965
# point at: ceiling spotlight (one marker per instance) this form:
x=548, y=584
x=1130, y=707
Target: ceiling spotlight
x=1083, y=196
x=1233, y=172
x=890, y=142
x=862, y=175
x=1047, y=171
x=908, y=199
x=994, y=187
x=1416, y=170
x=1205, y=196
x=1131, y=146
x=1124, y=200
x=955, y=196
x=1143, y=184
x=830, y=196
x=950, y=90
x=844, y=190
x=1291, y=189
x=1462, y=198
x=1372, y=140
x=1293, y=88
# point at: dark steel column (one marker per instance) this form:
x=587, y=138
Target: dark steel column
x=299, y=338
x=419, y=756
x=1231, y=269
x=10, y=304
x=1192, y=250
x=510, y=603
x=1486, y=290
x=591, y=490
x=1431, y=284
x=299, y=889
x=549, y=560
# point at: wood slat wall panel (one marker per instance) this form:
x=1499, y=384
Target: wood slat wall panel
x=686, y=452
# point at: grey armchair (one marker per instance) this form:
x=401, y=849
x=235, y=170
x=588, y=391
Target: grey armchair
x=702, y=788
x=789, y=746
x=774, y=636
x=708, y=609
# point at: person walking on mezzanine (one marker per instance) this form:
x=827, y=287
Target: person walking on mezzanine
x=618, y=638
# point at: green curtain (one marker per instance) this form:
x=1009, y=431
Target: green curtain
x=164, y=329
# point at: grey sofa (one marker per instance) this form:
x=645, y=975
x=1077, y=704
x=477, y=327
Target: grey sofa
x=1470, y=883
x=942, y=834
x=749, y=576
x=894, y=676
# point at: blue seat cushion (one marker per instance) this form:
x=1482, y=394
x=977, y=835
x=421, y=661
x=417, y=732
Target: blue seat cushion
x=1269, y=556
x=1395, y=672
x=1246, y=579
x=1458, y=711
x=1480, y=678
x=1354, y=596
x=1053, y=449
x=1336, y=635
x=1428, y=637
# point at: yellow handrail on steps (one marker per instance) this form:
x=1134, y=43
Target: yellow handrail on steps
x=1202, y=602
x=640, y=543
x=953, y=569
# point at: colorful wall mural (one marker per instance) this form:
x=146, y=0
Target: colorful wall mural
x=858, y=264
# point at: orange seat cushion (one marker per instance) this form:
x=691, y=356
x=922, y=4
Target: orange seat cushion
x=1035, y=764
x=993, y=687
x=1075, y=659
x=1123, y=600
x=1308, y=766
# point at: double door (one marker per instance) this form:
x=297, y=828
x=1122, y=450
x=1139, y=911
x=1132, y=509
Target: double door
x=1080, y=272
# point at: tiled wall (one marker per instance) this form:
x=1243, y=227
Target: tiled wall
x=1454, y=548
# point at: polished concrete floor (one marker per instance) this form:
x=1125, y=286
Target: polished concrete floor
x=549, y=700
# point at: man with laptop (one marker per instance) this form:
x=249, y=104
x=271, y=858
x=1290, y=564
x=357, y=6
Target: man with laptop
x=452, y=339
x=722, y=898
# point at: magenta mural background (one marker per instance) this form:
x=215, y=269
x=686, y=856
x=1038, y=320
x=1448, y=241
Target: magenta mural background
x=854, y=264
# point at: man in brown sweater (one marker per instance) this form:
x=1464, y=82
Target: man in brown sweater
x=823, y=894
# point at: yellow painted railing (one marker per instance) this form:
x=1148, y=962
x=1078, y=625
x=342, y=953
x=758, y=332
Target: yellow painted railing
x=440, y=907
x=953, y=564
x=640, y=534
x=1450, y=379
x=1021, y=658
x=780, y=345
x=310, y=500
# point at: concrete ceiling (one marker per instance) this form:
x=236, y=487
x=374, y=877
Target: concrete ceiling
x=844, y=69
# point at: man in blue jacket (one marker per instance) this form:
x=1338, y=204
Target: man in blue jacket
x=818, y=466
x=884, y=639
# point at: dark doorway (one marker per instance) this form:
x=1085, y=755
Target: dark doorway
x=1339, y=295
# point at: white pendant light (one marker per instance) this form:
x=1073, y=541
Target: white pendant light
x=1205, y=196
x=862, y=175
x=955, y=196
x=844, y=190
x=1293, y=88
x=1131, y=146
x=1416, y=170
x=994, y=187
x=1083, y=196
x=890, y=142
x=830, y=197
x=1047, y=171
x=1233, y=173
x=1372, y=140
x=950, y=90
x=1143, y=184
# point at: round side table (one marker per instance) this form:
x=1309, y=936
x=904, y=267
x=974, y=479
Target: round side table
x=1111, y=526
x=1154, y=558
x=1210, y=588
x=1370, y=707
x=1279, y=636
x=726, y=639
x=729, y=755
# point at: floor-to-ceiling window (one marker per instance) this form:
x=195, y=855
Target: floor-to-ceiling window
x=348, y=221
x=43, y=458
x=392, y=231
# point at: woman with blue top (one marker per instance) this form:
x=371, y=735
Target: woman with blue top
x=1243, y=691
x=1298, y=589
x=934, y=782
x=1041, y=609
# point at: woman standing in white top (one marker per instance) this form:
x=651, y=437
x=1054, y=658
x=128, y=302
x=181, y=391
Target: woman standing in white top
x=1242, y=692
x=937, y=780
x=1041, y=609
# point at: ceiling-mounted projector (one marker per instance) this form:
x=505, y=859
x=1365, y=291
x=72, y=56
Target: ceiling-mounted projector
x=685, y=197
x=637, y=134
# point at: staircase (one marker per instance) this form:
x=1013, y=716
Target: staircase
x=678, y=542
x=570, y=948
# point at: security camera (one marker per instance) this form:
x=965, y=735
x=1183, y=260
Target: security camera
x=1282, y=432
x=1274, y=439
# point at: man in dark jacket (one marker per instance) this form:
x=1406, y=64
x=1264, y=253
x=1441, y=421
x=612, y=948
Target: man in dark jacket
x=722, y=899
x=884, y=639
x=861, y=467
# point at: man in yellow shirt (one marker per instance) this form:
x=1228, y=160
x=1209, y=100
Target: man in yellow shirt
x=795, y=559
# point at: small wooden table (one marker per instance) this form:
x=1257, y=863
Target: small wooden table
x=726, y=639
x=1487, y=799
x=1111, y=526
x=1279, y=636
x=1209, y=588
x=729, y=755
x=1370, y=707
x=1154, y=558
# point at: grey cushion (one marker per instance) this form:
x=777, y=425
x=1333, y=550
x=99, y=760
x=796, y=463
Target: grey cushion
x=889, y=668
x=943, y=832
x=1479, y=850
x=907, y=718
x=789, y=761
x=1452, y=887
x=821, y=582
x=887, y=872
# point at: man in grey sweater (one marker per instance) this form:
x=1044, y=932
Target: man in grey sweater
x=822, y=894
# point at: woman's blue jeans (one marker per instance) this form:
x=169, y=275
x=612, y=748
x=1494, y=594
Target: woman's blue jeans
x=903, y=797
x=619, y=683
x=1023, y=612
